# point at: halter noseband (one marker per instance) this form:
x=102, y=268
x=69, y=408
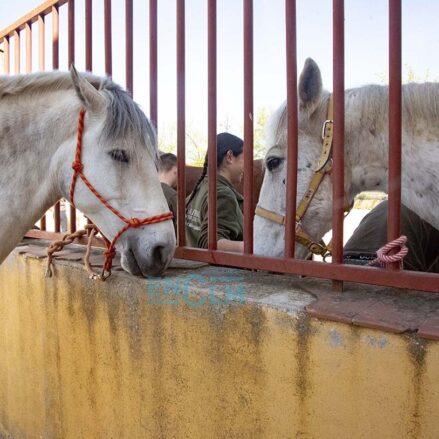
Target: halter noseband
x=134, y=223
x=324, y=167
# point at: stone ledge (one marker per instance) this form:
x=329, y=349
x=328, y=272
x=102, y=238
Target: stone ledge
x=386, y=309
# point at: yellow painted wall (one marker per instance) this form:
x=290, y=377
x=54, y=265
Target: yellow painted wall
x=83, y=359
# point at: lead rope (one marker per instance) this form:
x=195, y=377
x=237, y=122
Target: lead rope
x=91, y=230
x=383, y=256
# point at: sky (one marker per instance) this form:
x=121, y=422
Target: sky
x=366, y=49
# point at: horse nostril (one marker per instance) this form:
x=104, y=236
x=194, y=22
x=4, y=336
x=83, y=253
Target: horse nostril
x=159, y=254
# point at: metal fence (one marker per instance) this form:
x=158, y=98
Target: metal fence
x=335, y=270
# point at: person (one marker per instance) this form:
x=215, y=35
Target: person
x=168, y=180
x=371, y=234
x=230, y=169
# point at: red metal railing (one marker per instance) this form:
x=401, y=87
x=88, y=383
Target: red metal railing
x=55, y=65
x=394, y=179
x=335, y=270
x=249, y=206
x=181, y=121
x=211, y=122
x=108, y=38
x=153, y=114
x=88, y=35
x=71, y=60
x=292, y=145
x=338, y=140
x=129, y=45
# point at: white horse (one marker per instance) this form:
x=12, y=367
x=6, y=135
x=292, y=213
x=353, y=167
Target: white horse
x=366, y=156
x=39, y=123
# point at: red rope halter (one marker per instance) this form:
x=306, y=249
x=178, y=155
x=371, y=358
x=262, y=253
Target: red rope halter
x=134, y=223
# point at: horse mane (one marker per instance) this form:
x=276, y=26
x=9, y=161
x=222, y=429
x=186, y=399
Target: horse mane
x=420, y=103
x=124, y=117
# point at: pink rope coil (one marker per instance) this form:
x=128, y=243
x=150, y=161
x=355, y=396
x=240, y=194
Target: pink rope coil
x=383, y=256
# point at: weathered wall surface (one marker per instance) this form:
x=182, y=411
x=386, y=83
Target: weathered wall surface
x=83, y=359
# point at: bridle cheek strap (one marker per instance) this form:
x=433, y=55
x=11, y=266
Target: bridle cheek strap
x=134, y=223
x=301, y=236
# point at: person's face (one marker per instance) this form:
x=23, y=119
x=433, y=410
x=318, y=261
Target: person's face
x=236, y=167
x=173, y=176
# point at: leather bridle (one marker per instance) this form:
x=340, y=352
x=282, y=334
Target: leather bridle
x=324, y=167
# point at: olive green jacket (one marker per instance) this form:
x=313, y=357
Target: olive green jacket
x=371, y=234
x=171, y=198
x=229, y=207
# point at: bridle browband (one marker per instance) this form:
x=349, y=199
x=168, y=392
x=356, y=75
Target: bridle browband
x=134, y=223
x=324, y=167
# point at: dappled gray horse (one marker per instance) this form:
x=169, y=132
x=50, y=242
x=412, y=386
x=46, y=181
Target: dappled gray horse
x=39, y=125
x=366, y=156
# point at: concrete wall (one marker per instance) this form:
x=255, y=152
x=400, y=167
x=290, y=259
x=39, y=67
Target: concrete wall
x=83, y=359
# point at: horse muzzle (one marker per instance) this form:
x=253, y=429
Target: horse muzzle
x=147, y=261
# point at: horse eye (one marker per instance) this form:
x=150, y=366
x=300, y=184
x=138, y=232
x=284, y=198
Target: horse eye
x=273, y=163
x=119, y=155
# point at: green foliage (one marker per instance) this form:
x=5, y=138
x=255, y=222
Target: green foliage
x=196, y=139
x=408, y=75
x=260, y=126
x=167, y=139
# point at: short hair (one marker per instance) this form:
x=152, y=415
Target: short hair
x=167, y=161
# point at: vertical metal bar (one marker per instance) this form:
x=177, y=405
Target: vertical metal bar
x=55, y=66
x=6, y=55
x=71, y=32
x=338, y=145
x=16, y=52
x=88, y=35
x=248, y=127
x=108, y=41
x=211, y=124
x=28, y=48
x=292, y=148
x=89, y=42
x=55, y=38
x=71, y=60
x=43, y=223
x=395, y=95
x=57, y=216
x=181, y=121
x=88, y=49
x=129, y=45
x=153, y=57
x=41, y=43
x=41, y=67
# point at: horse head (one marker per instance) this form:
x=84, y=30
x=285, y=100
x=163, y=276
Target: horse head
x=315, y=221
x=119, y=160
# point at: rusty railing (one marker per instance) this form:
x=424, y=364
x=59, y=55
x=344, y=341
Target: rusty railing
x=336, y=270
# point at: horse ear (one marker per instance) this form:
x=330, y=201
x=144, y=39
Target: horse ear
x=89, y=96
x=310, y=86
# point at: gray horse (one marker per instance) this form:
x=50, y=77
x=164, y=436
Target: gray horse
x=366, y=155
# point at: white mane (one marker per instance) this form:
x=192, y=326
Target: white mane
x=124, y=117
